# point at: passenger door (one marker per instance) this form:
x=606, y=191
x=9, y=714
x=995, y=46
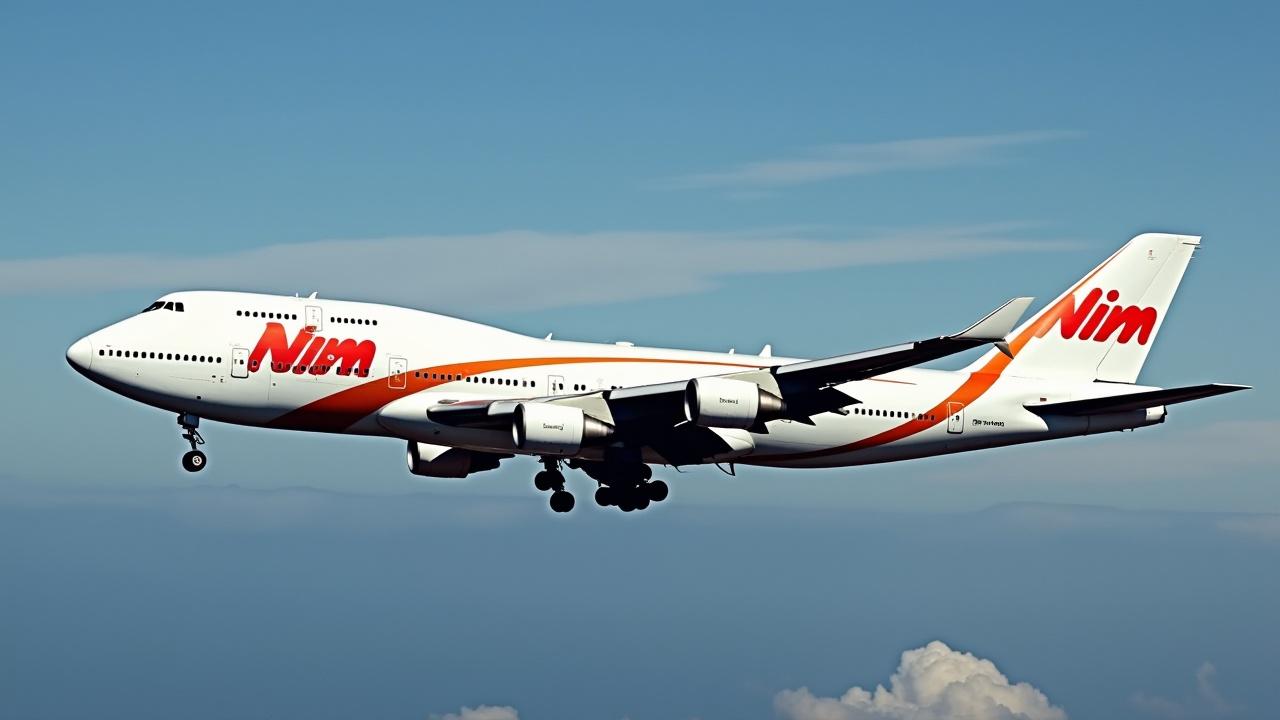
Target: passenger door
x=315, y=318
x=397, y=373
x=554, y=383
x=955, y=418
x=239, y=362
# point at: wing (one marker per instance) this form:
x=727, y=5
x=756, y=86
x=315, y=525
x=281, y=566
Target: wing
x=655, y=415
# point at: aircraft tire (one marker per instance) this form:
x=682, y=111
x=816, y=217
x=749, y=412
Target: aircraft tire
x=604, y=496
x=194, y=461
x=561, y=501
x=657, y=491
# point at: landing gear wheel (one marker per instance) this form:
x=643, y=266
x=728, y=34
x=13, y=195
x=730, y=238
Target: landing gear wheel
x=657, y=490
x=194, y=461
x=546, y=480
x=604, y=496
x=640, y=501
x=561, y=501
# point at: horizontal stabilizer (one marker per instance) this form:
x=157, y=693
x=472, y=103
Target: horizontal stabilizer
x=1133, y=401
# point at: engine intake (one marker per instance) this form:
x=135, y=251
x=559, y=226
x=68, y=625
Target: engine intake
x=555, y=429
x=714, y=402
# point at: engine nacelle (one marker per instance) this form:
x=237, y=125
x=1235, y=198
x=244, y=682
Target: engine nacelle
x=555, y=429
x=715, y=402
x=445, y=462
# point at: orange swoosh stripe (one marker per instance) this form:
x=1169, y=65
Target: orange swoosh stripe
x=341, y=410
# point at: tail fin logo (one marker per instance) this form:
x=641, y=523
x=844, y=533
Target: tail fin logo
x=1099, y=321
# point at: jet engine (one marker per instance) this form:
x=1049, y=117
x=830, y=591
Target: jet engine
x=555, y=429
x=445, y=462
x=715, y=402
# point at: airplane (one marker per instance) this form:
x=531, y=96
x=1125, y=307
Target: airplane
x=465, y=396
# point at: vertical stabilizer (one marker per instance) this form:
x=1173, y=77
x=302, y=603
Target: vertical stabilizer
x=1103, y=326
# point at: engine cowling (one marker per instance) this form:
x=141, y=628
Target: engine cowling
x=440, y=461
x=715, y=402
x=555, y=429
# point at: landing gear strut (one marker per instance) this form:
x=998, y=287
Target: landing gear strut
x=552, y=479
x=195, y=460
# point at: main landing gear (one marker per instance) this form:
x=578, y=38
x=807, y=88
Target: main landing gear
x=195, y=460
x=633, y=497
x=625, y=485
x=552, y=479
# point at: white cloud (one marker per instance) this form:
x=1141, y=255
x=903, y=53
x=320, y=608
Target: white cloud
x=517, y=270
x=1258, y=527
x=482, y=712
x=932, y=683
x=829, y=162
x=1205, y=703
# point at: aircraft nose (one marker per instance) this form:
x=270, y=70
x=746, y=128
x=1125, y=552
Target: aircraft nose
x=80, y=354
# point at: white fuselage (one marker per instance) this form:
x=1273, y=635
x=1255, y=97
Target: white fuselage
x=266, y=360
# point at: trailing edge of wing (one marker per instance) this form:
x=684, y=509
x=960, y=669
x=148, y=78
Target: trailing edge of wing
x=844, y=368
x=1134, y=401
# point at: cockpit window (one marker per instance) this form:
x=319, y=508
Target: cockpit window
x=163, y=305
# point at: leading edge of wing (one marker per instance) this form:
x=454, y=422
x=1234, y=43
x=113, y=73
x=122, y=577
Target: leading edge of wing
x=992, y=328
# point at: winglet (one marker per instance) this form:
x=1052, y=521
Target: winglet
x=998, y=324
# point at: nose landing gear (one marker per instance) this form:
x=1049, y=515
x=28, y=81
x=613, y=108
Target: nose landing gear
x=552, y=479
x=195, y=460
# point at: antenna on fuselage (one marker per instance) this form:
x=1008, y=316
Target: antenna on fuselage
x=312, y=296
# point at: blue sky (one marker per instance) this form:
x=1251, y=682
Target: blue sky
x=822, y=177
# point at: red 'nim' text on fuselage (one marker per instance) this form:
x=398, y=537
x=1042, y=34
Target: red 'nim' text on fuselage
x=310, y=353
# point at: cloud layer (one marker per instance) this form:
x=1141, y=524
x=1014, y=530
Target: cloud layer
x=830, y=162
x=932, y=683
x=482, y=712
x=517, y=270
x=1205, y=703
